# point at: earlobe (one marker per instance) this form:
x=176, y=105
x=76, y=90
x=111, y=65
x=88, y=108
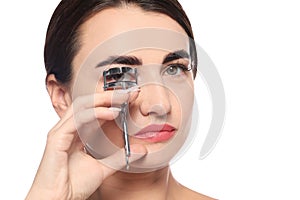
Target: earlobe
x=59, y=95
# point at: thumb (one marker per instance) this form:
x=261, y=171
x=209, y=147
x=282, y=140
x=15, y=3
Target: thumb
x=117, y=161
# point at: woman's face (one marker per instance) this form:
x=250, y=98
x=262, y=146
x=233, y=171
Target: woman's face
x=157, y=46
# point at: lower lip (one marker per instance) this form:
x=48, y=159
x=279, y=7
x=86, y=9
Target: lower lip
x=160, y=136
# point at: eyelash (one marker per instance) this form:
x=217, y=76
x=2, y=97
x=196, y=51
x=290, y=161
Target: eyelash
x=179, y=66
x=183, y=69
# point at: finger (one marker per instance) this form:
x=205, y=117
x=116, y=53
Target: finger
x=94, y=100
x=117, y=162
x=102, y=113
x=62, y=138
x=89, y=101
x=75, y=122
x=107, y=99
x=104, y=99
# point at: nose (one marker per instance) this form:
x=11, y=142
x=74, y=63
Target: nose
x=155, y=100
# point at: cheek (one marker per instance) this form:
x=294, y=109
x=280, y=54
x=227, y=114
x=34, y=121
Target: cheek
x=176, y=112
x=99, y=86
x=182, y=108
x=182, y=101
x=113, y=133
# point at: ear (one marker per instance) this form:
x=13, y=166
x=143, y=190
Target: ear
x=59, y=95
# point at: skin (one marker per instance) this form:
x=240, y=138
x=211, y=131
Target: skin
x=66, y=171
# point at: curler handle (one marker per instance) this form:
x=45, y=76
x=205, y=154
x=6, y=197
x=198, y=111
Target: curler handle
x=124, y=111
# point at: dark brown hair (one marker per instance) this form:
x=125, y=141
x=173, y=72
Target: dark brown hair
x=62, y=40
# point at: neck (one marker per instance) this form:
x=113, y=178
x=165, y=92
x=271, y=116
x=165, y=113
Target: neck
x=152, y=185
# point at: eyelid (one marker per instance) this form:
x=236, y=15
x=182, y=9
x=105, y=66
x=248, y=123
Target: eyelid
x=184, y=69
x=185, y=66
x=108, y=67
x=183, y=61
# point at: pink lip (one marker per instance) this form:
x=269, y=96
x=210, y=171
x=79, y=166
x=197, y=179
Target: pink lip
x=156, y=133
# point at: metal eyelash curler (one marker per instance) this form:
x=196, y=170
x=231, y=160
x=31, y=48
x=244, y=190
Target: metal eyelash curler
x=121, y=78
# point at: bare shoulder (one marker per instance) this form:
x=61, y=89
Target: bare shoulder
x=193, y=195
x=179, y=191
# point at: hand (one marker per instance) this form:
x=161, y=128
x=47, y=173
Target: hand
x=66, y=171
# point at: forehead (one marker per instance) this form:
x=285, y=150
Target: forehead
x=118, y=31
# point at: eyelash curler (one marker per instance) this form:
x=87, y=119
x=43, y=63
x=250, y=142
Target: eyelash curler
x=121, y=78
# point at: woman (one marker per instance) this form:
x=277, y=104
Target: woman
x=84, y=157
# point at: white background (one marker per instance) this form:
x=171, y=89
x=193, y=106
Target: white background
x=255, y=46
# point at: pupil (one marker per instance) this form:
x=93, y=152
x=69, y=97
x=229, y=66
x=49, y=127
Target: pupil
x=117, y=77
x=172, y=70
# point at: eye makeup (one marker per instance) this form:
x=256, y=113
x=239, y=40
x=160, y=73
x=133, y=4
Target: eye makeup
x=175, y=69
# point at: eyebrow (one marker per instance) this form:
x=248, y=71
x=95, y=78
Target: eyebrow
x=121, y=60
x=132, y=60
x=176, y=55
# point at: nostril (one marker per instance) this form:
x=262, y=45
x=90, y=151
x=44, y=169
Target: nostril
x=159, y=110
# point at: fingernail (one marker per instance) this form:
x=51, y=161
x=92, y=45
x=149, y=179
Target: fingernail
x=114, y=109
x=132, y=89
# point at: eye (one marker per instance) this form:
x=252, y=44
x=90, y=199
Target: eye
x=117, y=77
x=175, y=69
x=119, y=74
x=120, y=78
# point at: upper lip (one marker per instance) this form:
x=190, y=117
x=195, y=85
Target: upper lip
x=154, y=128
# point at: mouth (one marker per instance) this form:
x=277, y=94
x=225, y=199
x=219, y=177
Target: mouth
x=156, y=133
